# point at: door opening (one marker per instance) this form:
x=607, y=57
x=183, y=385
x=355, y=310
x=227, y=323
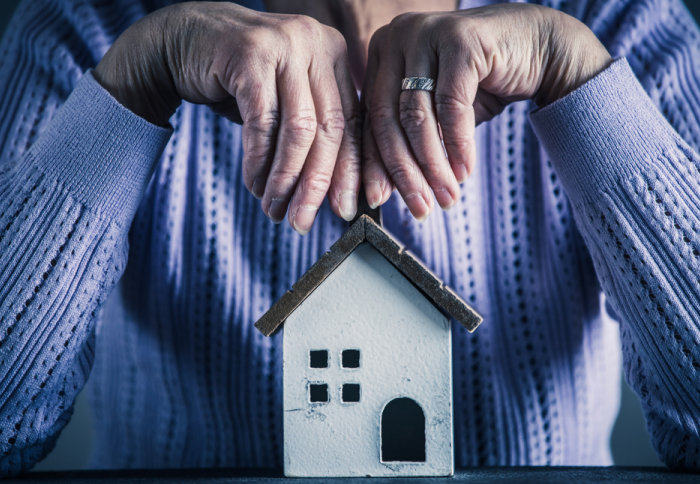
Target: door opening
x=403, y=431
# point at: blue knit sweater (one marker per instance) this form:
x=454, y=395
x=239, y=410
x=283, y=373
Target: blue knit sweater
x=597, y=193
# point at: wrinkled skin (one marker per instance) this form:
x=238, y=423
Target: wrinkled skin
x=288, y=78
x=285, y=77
x=483, y=59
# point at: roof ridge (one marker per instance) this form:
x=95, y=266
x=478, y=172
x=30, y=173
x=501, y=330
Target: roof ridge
x=367, y=230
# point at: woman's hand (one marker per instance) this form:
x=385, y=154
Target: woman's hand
x=482, y=60
x=285, y=77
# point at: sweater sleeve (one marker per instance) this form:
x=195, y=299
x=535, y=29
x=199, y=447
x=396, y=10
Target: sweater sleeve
x=70, y=181
x=634, y=184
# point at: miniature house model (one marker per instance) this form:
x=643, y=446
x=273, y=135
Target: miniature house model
x=368, y=362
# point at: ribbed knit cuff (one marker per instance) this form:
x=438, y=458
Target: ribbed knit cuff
x=103, y=153
x=605, y=131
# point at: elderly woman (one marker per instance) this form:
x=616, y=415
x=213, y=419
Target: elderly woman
x=598, y=192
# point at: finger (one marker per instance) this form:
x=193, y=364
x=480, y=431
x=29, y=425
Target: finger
x=389, y=136
x=345, y=184
x=375, y=179
x=454, y=104
x=320, y=162
x=378, y=186
x=419, y=121
x=258, y=104
x=296, y=134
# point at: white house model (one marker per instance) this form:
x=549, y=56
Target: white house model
x=368, y=362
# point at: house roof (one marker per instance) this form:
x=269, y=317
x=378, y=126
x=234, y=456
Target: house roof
x=366, y=230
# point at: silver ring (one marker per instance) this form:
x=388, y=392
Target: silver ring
x=418, y=83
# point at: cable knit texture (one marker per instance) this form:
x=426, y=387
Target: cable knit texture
x=597, y=192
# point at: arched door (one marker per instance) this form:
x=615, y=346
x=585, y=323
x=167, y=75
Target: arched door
x=403, y=431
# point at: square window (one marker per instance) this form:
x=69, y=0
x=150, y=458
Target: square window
x=351, y=392
x=318, y=392
x=351, y=358
x=318, y=358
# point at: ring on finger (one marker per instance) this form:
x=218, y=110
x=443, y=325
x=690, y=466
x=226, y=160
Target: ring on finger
x=418, y=84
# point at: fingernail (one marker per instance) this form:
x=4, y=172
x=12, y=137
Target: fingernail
x=348, y=204
x=460, y=171
x=416, y=204
x=373, y=192
x=303, y=218
x=258, y=187
x=277, y=210
x=444, y=198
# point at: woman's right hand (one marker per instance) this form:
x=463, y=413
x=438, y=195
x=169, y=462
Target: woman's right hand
x=285, y=77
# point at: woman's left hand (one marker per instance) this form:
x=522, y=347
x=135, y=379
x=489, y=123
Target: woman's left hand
x=482, y=60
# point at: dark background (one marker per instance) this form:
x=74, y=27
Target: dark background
x=630, y=440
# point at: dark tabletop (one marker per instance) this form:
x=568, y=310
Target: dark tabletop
x=514, y=475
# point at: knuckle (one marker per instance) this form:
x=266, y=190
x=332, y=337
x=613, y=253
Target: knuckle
x=297, y=33
x=302, y=127
x=259, y=136
x=308, y=22
x=403, y=174
x=381, y=116
x=458, y=39
x=454, y=27
x=263, y=124
x=254, y=36
x=353, y=121
x=335, y=38
x=378, y=38
x=353, y=128
x=404, y=19
x=332, y=123
x=282, y=181
x=435, y=173
x=346, y=175
x=256, y=156
x=449, y=106
x=413, y=27
x=457, y=137
x=456, y=143
x=412, y=116
x=304, y=23
x=315, y=185
x=256, y=45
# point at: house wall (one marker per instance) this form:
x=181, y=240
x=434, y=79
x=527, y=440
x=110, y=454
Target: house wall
x=405, y=350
